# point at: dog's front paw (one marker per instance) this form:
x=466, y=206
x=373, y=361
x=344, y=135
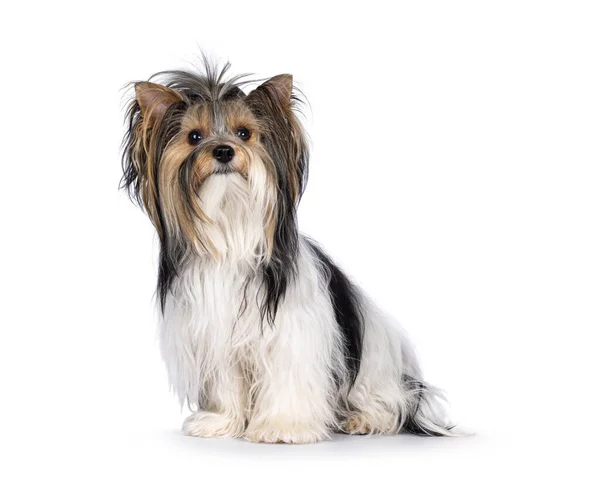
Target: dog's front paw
x=363, y=423
x=356, y=424
x=210, y=424
x=285, y=432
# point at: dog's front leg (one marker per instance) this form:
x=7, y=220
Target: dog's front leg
x=223, y=413
x=289, y=410
x=203, y=370
x=293, y=399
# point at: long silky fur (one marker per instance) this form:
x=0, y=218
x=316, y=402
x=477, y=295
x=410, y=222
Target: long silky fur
x=285, y=143
x=348, y=310
x=283, y=148
x=327, y=350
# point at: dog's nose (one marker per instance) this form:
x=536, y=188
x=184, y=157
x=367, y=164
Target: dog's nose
x=223, y=153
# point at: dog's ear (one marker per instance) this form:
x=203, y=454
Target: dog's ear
x=145, y=115
x=277, y=90
x=282, y=137
x=154, y=100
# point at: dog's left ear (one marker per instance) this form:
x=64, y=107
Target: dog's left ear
x=277, y=90
x=282, y=136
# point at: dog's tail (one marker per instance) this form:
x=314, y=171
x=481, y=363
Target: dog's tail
x=423, y=412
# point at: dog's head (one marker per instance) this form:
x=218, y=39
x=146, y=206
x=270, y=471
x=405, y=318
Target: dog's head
x=187, y=129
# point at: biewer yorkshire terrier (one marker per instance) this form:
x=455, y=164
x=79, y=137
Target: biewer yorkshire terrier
x=263, y=336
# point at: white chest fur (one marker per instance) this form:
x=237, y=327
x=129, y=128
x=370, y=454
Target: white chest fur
x=209, y=329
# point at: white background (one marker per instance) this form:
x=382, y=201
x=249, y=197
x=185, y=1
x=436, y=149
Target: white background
x=455, y=175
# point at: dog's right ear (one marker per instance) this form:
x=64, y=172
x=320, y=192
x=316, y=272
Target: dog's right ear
x=144, y=117
x=154, y=100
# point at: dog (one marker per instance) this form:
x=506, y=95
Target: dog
x=264, y=337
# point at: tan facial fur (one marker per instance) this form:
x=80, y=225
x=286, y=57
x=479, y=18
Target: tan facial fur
x=171, y=169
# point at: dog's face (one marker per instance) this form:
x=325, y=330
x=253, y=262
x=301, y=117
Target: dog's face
x=188, y=131
x=184, y=132
x=218, y=136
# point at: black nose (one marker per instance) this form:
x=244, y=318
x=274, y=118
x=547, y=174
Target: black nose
x=223, y=153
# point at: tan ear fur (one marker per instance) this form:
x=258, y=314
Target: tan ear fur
x=154, y=101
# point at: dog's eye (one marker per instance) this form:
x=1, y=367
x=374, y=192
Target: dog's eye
x=243, y=133
x=195, y=137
